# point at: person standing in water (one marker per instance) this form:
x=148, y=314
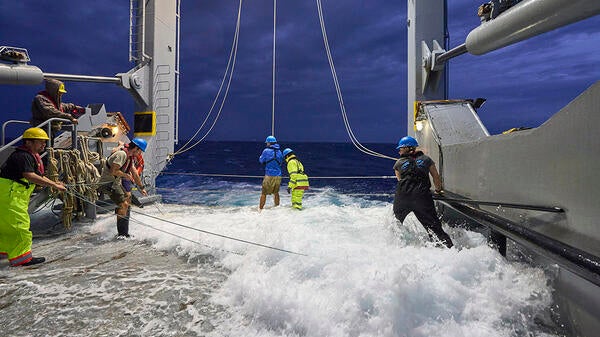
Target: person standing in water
x=413, y=189
x=121, y=165
x=298, y=178
x=271, y=158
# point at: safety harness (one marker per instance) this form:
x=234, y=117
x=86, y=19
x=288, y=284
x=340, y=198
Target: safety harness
x=274, y=156
x=414, y=174
x=127, y=165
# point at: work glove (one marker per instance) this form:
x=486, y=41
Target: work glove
x=289, y=190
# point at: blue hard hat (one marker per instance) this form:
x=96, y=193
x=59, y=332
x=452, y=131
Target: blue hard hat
x=407, y=141
x=141, y=143
x=271, y=139
x=287, y=151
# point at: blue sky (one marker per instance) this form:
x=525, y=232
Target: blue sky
x=524, y=84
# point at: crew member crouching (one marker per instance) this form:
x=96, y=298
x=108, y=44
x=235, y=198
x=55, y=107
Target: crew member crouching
x=121, y=166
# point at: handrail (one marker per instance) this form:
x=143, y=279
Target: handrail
x=552, y=209
x=577, y=261
x=48, y=126
x=4, y=128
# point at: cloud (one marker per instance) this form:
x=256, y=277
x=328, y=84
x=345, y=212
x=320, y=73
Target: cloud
x=524, y=83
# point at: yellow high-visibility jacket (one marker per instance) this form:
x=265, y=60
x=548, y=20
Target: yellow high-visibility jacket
x=298, y=178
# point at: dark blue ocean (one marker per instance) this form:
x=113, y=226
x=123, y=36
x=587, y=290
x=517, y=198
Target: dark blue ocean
x=328, y=165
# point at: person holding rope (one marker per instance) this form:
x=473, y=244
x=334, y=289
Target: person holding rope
x=21, y=172
x=298, y=179
x=120, y=165
x=413, y=190
x=271, y=158
x=138, y=162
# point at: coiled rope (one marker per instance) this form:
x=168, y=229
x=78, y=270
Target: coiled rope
x=77, y=170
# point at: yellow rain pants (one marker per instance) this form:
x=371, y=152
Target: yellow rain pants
x=15, y=236
x=297, y=195
x=298, y=180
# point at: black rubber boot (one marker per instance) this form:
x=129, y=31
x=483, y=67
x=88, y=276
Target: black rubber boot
x=34, y=260
x=123, y=226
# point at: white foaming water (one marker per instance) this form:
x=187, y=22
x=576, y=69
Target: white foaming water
x=352, y=271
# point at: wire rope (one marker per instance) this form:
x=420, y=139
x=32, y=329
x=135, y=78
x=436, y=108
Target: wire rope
x=252, y=176
x=273, y=70
x=231, y=62
x=72, y=191
x=338, y=90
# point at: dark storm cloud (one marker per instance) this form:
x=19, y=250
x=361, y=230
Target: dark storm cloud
x=525, y=83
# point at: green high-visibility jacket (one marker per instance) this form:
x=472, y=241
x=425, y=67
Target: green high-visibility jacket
x=298, y=178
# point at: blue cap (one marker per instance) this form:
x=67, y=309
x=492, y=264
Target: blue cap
x=287, y=151
x=271, y=139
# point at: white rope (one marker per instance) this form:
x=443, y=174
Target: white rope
x=273, y=70
x=249, y=176
x=338, y=90
x=307, y=192
x=82, y=197
x=231, y=62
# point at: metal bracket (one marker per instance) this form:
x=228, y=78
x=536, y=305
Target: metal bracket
x=430, y=68
x=135, y=82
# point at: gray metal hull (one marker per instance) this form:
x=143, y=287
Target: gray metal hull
x=555, y=164
x=552, y=165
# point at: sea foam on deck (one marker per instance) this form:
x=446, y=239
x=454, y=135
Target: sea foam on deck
x=362, y=276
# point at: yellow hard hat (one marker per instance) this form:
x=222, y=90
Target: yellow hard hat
x=35, y=133
x=61, y=89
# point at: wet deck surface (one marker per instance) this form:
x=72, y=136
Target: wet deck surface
x=91, y=286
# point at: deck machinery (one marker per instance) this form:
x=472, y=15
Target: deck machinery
x=153, y=82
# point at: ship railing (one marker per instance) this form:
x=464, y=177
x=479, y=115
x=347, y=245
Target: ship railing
x=47, y=125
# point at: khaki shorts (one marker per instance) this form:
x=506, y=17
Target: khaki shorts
x=271, y=184
x=115, y=191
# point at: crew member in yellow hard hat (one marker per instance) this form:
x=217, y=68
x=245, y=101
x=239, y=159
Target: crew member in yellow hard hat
x=48, y=104
x=20, y=173
x=298, y=179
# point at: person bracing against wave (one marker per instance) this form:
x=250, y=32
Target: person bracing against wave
x=48, y=104
x=121, y=165
x=271, y=158
x=138, y=162
x=20, y=173
x=298, y=179
x=413, y=189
